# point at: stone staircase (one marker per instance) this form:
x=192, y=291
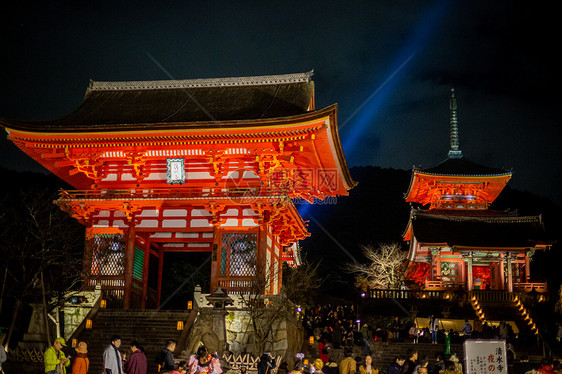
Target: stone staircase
x=149, y=327
x=383, y=353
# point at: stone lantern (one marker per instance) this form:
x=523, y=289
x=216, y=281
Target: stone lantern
x=219, y=300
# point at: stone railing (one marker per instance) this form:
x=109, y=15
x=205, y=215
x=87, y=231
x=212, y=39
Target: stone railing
x=528, y=287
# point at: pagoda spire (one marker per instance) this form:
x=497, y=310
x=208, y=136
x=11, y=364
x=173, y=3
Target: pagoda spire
x=454, y=152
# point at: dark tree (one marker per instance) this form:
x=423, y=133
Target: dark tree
x=41, y=247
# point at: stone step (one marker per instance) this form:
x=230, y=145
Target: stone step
x=150, y=328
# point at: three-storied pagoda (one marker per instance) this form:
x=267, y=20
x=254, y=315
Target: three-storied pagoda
x=457, y=241
x=190, y=165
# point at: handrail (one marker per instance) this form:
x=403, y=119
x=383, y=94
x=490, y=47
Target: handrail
x=173, y=193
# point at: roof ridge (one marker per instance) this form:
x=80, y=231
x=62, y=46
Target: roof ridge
x=488, y=219
x=205, y=82
x=462, y=161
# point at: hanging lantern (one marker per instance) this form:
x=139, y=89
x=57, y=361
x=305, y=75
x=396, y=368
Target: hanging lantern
x=189, y=305
x=179, y=326
x=311, y=340
x=89, y=323
x=103, y=304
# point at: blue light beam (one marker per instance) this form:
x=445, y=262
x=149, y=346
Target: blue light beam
x=365, y=115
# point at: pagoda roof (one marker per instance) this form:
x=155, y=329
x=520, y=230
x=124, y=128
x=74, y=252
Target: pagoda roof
x=461, y=166
x=425, y=183
x=477, y=231
x=179, y=103
x=456, y=176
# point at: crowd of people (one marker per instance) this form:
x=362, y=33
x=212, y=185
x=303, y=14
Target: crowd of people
x=332, y=327
x=117, y=361
x=412, y=363
x=339, y=327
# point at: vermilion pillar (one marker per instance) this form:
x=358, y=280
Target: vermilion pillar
x=215, y=258
x=145, y=264
x=129, y=263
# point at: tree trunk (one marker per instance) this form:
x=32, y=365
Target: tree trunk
x=45, y=311
x=3, y=288
x=14, y=316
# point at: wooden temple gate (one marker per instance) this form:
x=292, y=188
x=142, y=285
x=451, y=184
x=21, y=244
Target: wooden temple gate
x=205, y=165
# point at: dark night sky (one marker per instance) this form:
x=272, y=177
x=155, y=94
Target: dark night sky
x=388, y=64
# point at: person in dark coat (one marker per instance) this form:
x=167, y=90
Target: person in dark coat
x=411, y=362
x=266, y=364
x=166, y=357
x=395, y=327
x=439, y=364
x=136, y=363
x=396, y=366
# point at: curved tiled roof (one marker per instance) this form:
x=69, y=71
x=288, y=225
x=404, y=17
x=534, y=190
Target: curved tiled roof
x=461, y=167
x=484, y=231
x=122, y=105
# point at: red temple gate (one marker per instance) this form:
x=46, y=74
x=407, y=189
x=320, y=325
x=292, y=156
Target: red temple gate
x=207, y=165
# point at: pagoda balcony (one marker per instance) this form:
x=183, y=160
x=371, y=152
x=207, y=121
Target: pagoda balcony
x=443, y=286
x=540, y=287
x=458, y=294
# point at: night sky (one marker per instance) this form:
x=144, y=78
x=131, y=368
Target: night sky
x=389, y=65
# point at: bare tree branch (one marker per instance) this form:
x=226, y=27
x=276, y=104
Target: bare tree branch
x=264, y=310
x=385, y=267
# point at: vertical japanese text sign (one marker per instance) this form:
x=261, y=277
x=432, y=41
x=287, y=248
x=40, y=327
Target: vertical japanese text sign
x=485, y=356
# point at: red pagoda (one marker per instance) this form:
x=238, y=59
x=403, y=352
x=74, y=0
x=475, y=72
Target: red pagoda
x=201, y=165
x=455, y=240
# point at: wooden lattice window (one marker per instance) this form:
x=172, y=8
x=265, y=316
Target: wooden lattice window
x=108, y=252
x=238, y=254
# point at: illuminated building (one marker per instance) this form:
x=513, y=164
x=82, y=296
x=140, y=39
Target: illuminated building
x=201, y=165
x=455, y=240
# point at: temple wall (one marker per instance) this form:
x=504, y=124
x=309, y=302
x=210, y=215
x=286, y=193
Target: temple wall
x=285, y=340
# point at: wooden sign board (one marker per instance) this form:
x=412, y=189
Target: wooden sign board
x=483, y=356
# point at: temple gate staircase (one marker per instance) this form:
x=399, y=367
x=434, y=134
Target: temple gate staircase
x=527, y=317
x=383, y=353
x=150, y=328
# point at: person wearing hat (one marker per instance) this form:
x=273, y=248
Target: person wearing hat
x=54, y=357
x=81, y=362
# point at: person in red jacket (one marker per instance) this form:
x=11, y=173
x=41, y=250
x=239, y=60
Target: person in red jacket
x=81, y=362
x=323, y=351
x=136, y=363
x=546, y=367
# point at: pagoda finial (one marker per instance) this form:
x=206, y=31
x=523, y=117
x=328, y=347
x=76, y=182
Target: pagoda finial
x=454, y=152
